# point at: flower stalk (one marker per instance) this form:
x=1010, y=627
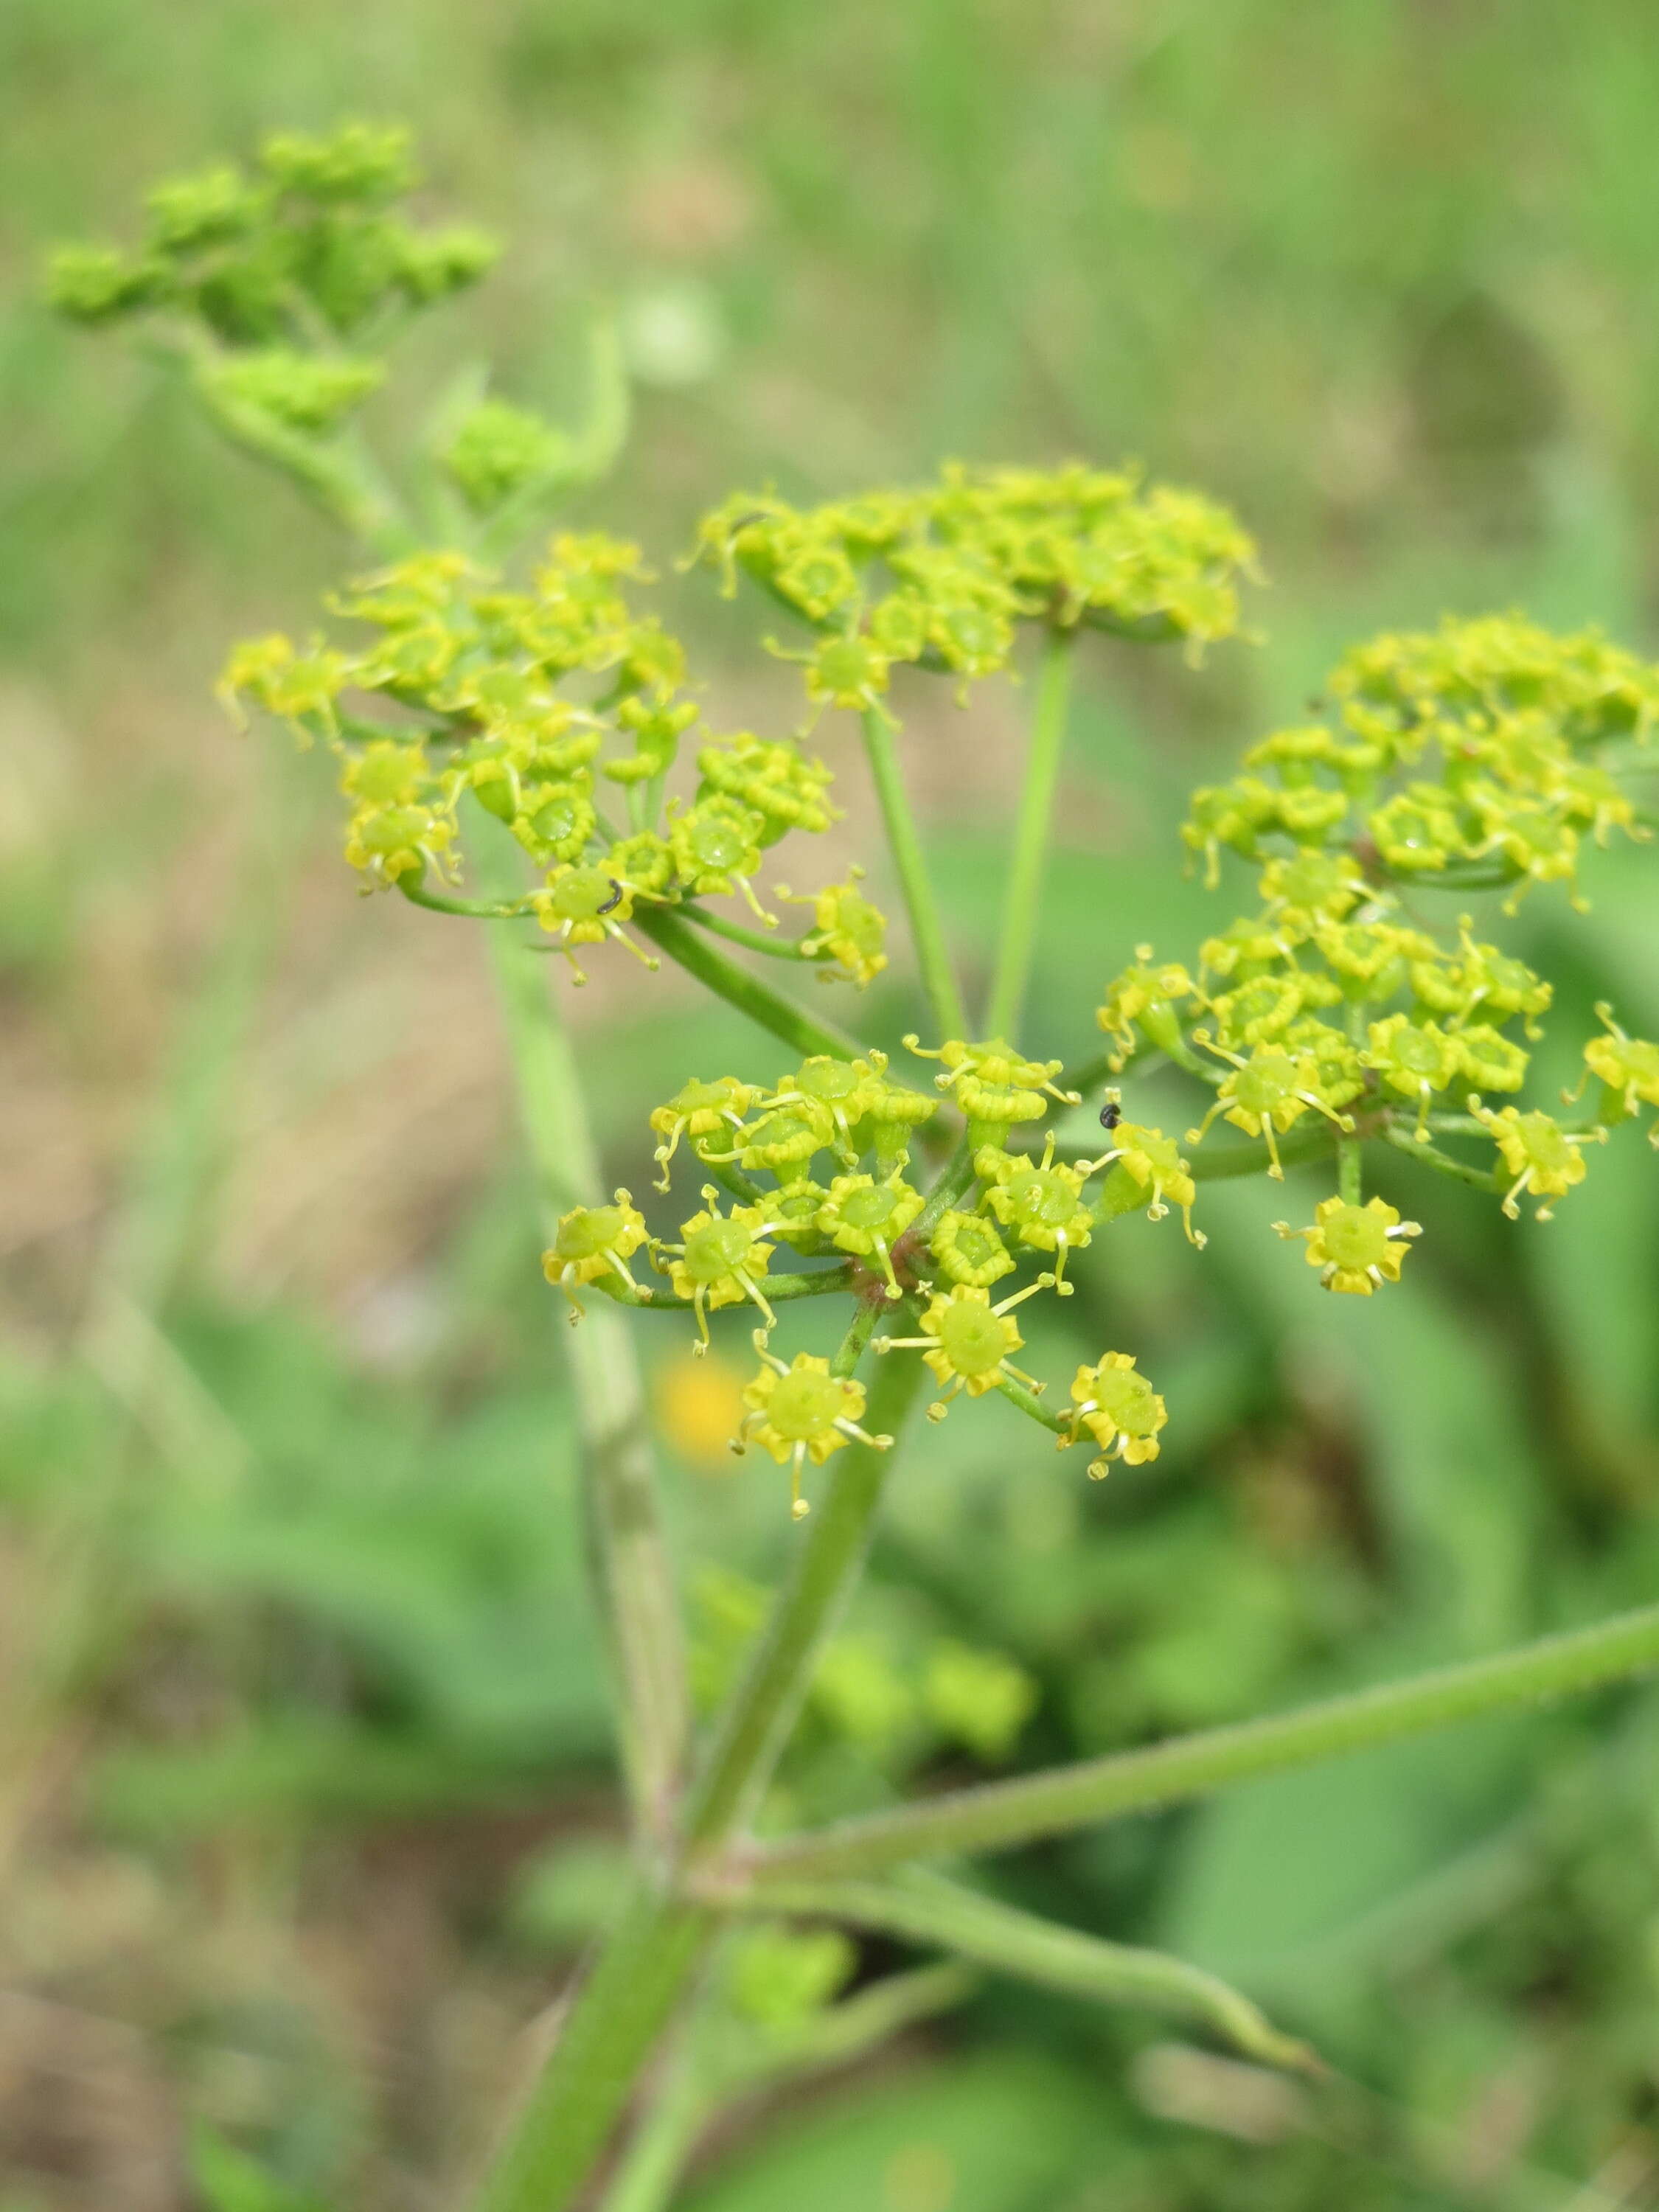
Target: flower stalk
x=1017, y=940
x=1001, y=1814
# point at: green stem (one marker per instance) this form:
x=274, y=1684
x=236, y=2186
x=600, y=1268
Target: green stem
x=1351, y=1151
x=1221, y=1162
x=1017, y=941
x=649, y=2172
x=1029, y=1403
x=576, y=2101
x=632, y=1576
x=933, y=955
x=955, y=1178
x=850, y=1350
x=779, y=1289
x=1430, y=1156
x=1103, y=1066
x=1002, y=1814
x=927, y=1909
x=752, y=940
x=752, y=1733
x=473, y=909
x=798, y=1029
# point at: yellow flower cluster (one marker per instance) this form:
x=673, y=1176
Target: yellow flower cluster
x=523, y=703
x=1474, y=757
x=1484, y=752
x=820, y=1164
x=942, y=575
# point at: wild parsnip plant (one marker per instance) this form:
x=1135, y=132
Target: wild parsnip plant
x=520, y=741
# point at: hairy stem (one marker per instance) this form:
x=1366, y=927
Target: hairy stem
x=1007, y=1813
x=633, y=1579
x=1017, y=941
x=763, y=1005
x=927, y=1909
x=575, y=2101
x=933, y=954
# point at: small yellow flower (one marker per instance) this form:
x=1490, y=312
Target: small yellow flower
x=993, y=1083
x=1627, y=1066
x=833, y=1094
x=584, y=905
x=802, y=1412
x=1414, y=1060
x=592, y=1241
x=1145, y=997
x=1359, y=1247
x=1268, y=1092
x=847, y=928
x=867, y=1219
x=699, y=1109
x=1146, y=1161
x=1120, y=1410
x=1543, y=1157
x=967, y=1341
x=968, y=1249
x=389, y=842
x=722, y=1258
x=1042, y=1204
x=716, y=848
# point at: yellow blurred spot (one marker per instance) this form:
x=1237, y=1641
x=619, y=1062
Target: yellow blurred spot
x=920, y=2177
x=699, y=1403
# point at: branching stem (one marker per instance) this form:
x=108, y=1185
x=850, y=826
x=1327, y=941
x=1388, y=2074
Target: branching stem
x=1001, y=1813
x=799, y=1030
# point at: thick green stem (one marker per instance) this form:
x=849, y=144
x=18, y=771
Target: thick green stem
x=798, y=1030
x=756, y=1723
x=567, y=2117
x=1047, y=1804
x=1017, y=941
x=631, y=1572
x=648, y=2175
x=931, y=1910
x=933, y=954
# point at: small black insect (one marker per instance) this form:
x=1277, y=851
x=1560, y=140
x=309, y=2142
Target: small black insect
x=1110, y=1114
x=615, y=898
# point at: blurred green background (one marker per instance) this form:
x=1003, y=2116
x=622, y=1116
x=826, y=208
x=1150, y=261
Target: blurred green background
x=304, y=1789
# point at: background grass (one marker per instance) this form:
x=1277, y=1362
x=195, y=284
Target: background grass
x=302, y=1761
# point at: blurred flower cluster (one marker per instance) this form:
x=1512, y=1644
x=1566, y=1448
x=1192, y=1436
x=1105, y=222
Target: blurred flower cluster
x=942, y=575
x=520, y=699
